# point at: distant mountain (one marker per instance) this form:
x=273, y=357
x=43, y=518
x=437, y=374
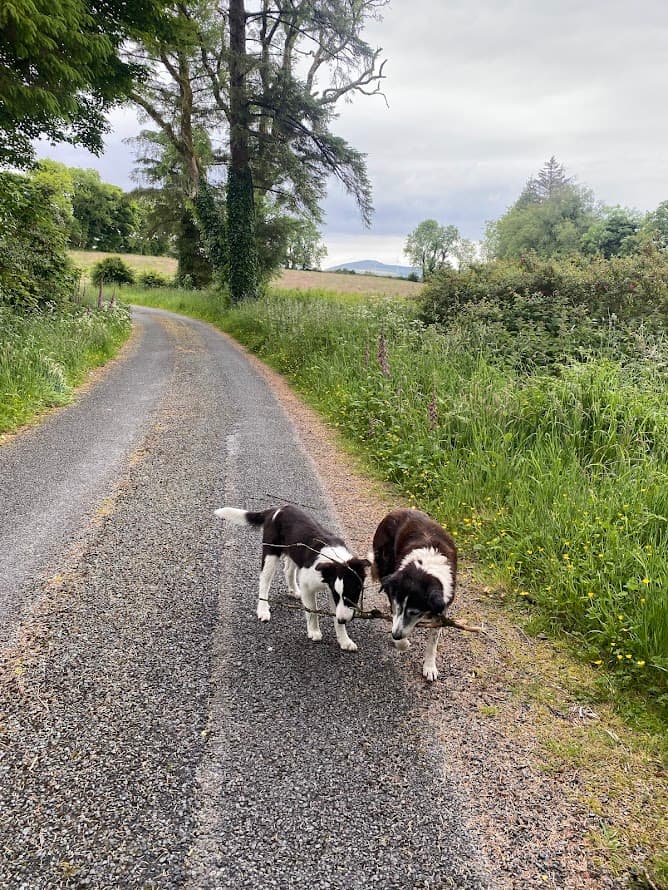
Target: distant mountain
x=373, y=267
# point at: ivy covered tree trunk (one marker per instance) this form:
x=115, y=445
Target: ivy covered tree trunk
x=210, y=212
x=240, y=201
x=243, y=266
x=194, y=269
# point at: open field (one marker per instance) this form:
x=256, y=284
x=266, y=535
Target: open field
x=359, y=284
x=86, y=259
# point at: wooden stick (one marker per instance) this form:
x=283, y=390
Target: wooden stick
x=377, y=614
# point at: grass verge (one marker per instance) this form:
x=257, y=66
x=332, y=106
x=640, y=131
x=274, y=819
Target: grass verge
x=45, y=355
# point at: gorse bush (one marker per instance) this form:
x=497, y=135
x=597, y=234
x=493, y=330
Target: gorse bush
x=558, y=484
x=112, y=270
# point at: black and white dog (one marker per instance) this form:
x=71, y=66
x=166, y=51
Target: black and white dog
x=314, y=559
x=415, y=561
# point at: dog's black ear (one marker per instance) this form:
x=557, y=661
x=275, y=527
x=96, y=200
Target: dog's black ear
x=436, y=599
x=359, y=566
x=328, y=571
x=389, y=584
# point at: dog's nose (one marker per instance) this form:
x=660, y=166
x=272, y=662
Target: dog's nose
x=341, y=620
x=396, y=634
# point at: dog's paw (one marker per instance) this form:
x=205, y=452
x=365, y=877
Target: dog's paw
x=315, y=635
x=263, y=613
x=348, y=646
x=402, y=645
x=430, y=672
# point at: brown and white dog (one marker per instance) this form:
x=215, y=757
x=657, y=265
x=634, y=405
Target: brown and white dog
x=415, y=561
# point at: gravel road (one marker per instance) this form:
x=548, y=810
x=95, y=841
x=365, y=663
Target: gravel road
x=153, y=733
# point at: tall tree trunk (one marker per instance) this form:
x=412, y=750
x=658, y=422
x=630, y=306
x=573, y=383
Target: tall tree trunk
x=240, y=201
x=194, y=268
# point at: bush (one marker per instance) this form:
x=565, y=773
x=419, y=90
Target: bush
x=35, y=270
x=150, y=279
x=634, y=287
x=544, y=313
x=112, y=270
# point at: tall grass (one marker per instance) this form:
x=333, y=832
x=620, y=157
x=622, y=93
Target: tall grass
x=558, y=484
x=44, y=355
x=197, y=303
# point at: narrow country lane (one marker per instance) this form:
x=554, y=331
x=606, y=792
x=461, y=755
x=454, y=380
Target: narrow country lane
x=152, y=733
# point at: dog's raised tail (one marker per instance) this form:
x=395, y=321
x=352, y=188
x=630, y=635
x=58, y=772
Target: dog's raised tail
x=242, y=517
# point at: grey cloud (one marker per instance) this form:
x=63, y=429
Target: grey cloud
x=480, y=95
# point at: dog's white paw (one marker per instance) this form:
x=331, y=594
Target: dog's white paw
x=315, y=635
x=263, y=613
x=402, y=645
x=430, y=672
x=348, y=646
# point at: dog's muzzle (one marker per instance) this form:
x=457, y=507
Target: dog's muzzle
x=344, y=613
x=399, y=632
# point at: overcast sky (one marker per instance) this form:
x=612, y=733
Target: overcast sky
x=480, y=95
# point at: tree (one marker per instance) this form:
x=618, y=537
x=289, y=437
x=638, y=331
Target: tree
x=112, y=270
x=274, y=78
x=430, y=245
x=655, y=226
x=35, y=217
x=240, y=196
x=465, y=253
x=549, y=218
x=304, y=249
x=615, y=234
x=60, y=69
x=167, y=184
x=549, y=181
x=104, y=218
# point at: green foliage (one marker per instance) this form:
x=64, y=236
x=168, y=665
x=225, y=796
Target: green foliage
x=112, y=270
x=556, y=309
x=59, y=69
x=170, y=214
x=45, y=354
x=556, y=484
x=550, y=218
x=304, y=249
x=151, y=279
x=209, y=305
x=210, y=212
x=241, y=235
x=615, y=234
x=194, y=266
x=430, y=245
x=35, y=217
x=104, y=218
x=656, y=226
